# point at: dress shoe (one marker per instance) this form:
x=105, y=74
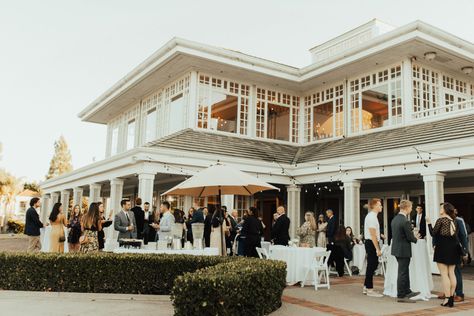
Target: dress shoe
x=458, y=299
x=412, y=294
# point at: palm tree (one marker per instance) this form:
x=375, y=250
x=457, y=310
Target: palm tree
x=9, y=187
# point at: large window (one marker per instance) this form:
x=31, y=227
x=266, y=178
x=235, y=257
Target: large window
x=114, y=141
x=277, y=115
x=150, y=126
x=131, y=134
x=375, y=100
x=223, y=105
x=324, y=113
x=177, y=113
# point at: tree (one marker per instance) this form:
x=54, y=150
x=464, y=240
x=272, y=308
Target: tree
x=32, y=186
x=61, y=161
x=9, y=187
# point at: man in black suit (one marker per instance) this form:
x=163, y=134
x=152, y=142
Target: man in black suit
x=207, y=225
x=402, y=237
x=139, y=217
x=33, y=225
x=332, y=226
x=419, y=221
x=280, y=230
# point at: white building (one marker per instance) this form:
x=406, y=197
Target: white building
x=380, y=112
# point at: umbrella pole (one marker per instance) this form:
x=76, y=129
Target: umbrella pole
x=219, y=201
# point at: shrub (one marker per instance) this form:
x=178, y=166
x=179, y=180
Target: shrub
x=243, y=286
x=97, y=273
x=15, y=226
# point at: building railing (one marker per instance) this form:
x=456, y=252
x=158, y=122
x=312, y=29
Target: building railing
x=445, y=109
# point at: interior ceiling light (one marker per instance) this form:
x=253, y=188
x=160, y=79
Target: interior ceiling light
x=430, y=56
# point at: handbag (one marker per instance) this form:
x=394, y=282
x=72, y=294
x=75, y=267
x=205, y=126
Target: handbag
x=62, y=239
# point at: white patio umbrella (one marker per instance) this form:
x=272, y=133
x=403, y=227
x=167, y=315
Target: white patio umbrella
x=217, y=180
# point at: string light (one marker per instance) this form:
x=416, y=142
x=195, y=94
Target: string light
x=459, y=160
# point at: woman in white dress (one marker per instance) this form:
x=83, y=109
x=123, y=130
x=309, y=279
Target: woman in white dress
x=322, y=227
x=218, y=226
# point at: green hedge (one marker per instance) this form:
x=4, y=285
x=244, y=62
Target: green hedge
x=243, y=286
x=97, y=273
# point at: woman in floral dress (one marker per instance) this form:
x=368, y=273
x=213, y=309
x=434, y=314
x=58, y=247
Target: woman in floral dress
x=307, y=231
x=322, y=227
x=90, y=225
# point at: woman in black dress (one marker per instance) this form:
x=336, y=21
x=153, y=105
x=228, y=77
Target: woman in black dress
x=252, y=230
x=75, y=229
x=446, y=252
x=105, y=223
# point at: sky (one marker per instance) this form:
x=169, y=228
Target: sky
x=56, y=57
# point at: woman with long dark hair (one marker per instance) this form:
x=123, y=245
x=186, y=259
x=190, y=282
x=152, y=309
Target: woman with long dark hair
x=252, y=230
x=58, y=222
x=75, y=229
x=90, y=224
x=446, y=253
x=218, y=228
x=104, y=223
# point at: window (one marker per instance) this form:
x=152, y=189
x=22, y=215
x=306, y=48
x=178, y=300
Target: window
x=278, y=122
x=176, y=201
x=376, y=100
x=324, y=113
x=131, y=135
x=241, y=203
x=114, y=141
x=150, y=126
x=177, y=113
x=223, y=105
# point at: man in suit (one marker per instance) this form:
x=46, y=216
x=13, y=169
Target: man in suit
x=207, y=226
x=124, y=222
x=280, y=230
x=332, y=226
x=419, y=221
x=33, y=225
x=462, y=237
x=166, y=222
x=139, y=217
x=402, y=237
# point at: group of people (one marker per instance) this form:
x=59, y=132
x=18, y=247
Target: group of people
x=449, y=236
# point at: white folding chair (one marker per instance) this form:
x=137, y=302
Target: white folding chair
x=383, y=258
x=348, y=268
x=262, y=253
x=319, y=267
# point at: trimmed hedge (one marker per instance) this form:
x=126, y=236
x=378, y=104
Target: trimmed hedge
x=245, y=286
x=97, y=273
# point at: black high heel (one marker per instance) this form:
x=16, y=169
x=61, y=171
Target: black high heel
x=449, y=303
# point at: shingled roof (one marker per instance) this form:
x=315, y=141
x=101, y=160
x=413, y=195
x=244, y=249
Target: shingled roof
x=408, y=136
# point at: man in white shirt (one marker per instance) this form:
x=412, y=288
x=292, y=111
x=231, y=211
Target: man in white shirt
x=372, y=247
x=166, y=222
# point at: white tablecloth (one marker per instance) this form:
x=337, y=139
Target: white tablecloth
x=296, y=258
x=195, y=252
x=45, y=233
x=266, y=245
x=358, y=258
x=421, y=279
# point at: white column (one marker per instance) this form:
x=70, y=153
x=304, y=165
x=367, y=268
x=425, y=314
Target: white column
x=94, y=192
x=65, y=194
x=77, y=196
x=434, y=196
x=228, y=201
x=352, y=205
x=54, y=198
x=45, y=207
x=187, y=204
x=294, y=208
x=252, y=114
x=193, y=99
x=145, y=187
x=116, y=191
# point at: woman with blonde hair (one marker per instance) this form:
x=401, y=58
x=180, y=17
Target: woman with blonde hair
x=74, y=226
x=307, y=231
x=90, y=225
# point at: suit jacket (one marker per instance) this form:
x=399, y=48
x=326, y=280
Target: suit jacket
x=402, y=236
x=139, y=218
x=166, y=225
x=198, y=217
x=331, y=229
x=462, y=233
x=32, y=222
x=422, y=228
x=121, y=223
x=280, y=230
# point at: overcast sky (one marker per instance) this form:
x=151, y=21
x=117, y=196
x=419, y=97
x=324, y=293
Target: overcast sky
x=58, y=56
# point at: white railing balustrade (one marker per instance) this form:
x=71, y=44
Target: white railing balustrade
x=445, y=109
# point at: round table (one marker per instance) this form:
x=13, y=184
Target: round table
x=421, y=279
x=358, y=258
x=296, y=258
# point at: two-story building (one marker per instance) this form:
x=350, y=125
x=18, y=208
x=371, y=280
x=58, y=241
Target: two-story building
x=380, y=112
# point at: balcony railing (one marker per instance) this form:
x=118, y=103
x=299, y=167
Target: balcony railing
x=445, y=109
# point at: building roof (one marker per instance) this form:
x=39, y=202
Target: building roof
x=403, y=137
x=29, y=193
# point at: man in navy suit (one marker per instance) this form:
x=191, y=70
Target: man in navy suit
x=419, y=221
x=332, y=226
x=33, y=225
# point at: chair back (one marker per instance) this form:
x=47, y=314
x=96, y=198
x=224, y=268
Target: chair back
x=321, y=259
x=262, y=253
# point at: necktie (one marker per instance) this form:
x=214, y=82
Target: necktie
x=128, y=218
